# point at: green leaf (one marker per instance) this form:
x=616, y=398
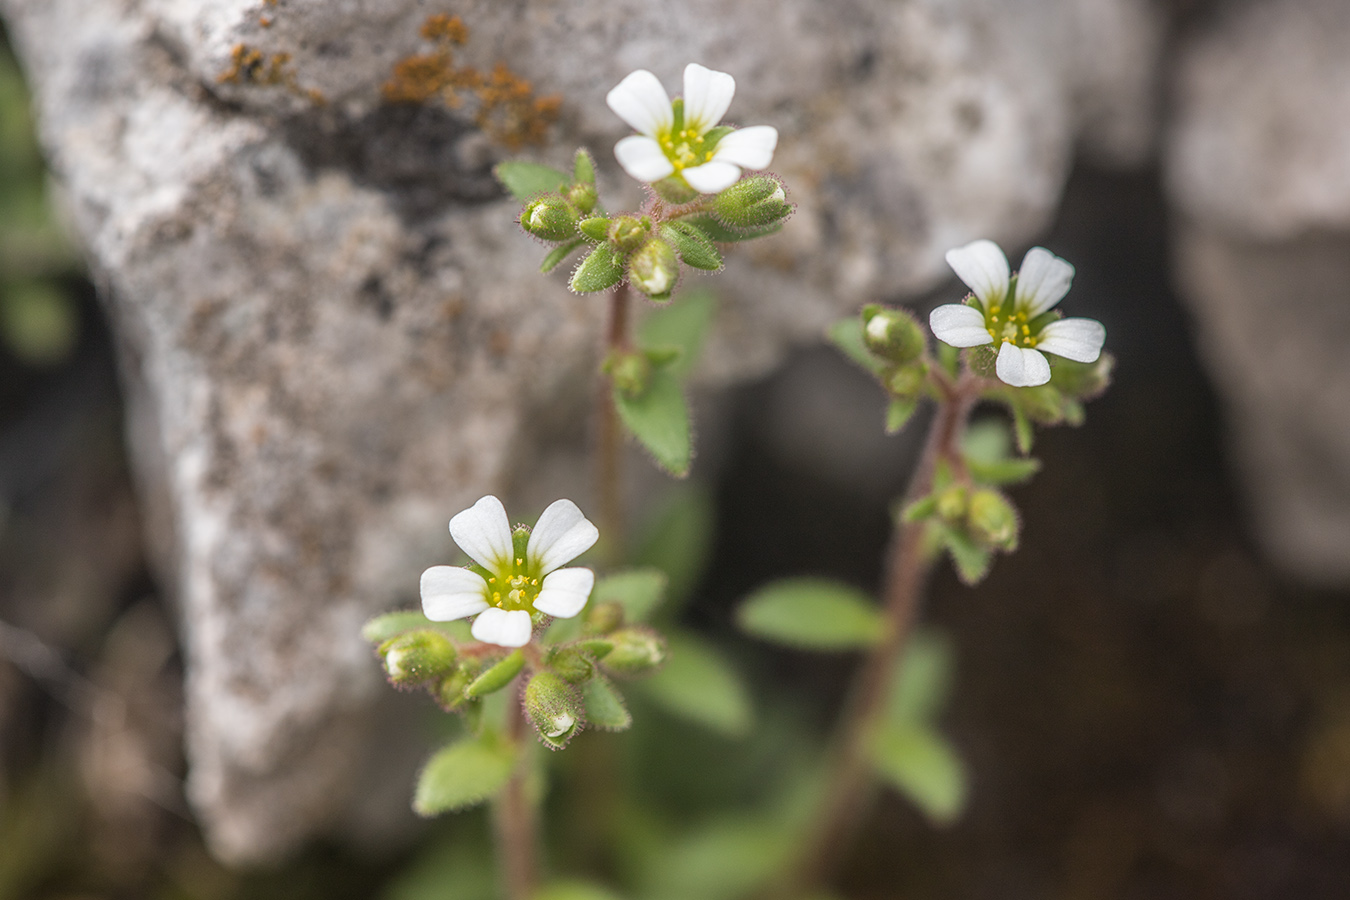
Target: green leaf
x=813, y=614
x=497, y=676
x=573, y=890
x=693, y=246
x=923, y=679
x=527, y=180
x=463, y=774
x=638, y=591
x=847, y=335
x=683, y=324
x=605, y=708
x=558, y=254
x=898, y=414
x=678, y=541
x=599, y=271
x=697, y=684
x=659, y=419
x=383, y=627
x=721, y=234
x=923, y=508
x=987, y=448
x=970, y=559
x=921, y=765
x=1005, y=471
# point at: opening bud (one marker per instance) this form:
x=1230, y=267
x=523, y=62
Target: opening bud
x=418, y=657
x=628, y=232
x=631, y=372
x=550, y=218
x=753, y=202
x=654, y=269
x=583, y=197
x=637, y=651
x=555, y=709
x=571, y=664
x=892, y=334
x=992, y=520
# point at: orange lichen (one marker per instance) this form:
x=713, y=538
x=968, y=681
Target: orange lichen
x=249, y=65
x=507, y=109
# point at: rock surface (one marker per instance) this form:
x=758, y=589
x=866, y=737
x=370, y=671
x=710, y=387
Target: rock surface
x=1256, y=164
x=335, y=334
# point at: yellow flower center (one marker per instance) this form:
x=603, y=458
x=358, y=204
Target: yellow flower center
x=515, y=588
x=685, y=148
x=1012, y=327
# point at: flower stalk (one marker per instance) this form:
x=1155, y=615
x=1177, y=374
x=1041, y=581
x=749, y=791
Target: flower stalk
x=516, y=820
x=609, y=452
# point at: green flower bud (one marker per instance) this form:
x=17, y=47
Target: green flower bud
x=602, y=618
x=571, y=664
x=906, y=381
x=892, y=334
x=654, y=269
x=583, y=197
x=550, y=218
x=596, y=228
x=449, y=691
x=952, y=502
x=496, y=677
x=637, y=651
x=753, y=202
x=628, y=232
x=417, y=657
x=555, y=709
x=631, y=372
x=992, y=520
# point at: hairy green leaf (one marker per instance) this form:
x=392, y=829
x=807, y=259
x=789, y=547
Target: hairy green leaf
x=527, y=180
x=813, y=614
x=463, y=774
x=605, y=708
x=683, y=324
x=659, y=419
x=693, y=246
x=599, y=271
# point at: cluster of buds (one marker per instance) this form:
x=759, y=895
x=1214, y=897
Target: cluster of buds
x=894, y=337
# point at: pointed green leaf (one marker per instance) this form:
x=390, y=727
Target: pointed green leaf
x=659, y=419
x=1005, y=471
x=847, y=335
x=898, y=414
x=599, y=271
x=696, y=683
x=923, y=679
x=605, y=708
x=721, y=234
x=683, y=324
x=813, y=614
x=463, y=774
x=970, y=559
x=558, y=254
x=693, y=246
x=527, y=180
x=638, y=591
x=921, y=765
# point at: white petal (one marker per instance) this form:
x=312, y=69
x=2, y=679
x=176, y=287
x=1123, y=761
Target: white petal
x=707, y=94
x=959, y=325
x=642, y=158
x=483, y=532
x=984, y=269
x=751, y=148
x=1021, y=366
x=641, y=102
x=712, y=177
x=561, y=534
x=505, y=628
x=1042, y=281
x=450, y=592
x=565, y=592
x=1077, y=339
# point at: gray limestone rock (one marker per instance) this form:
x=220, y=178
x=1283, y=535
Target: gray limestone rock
x=336, y=337
x=1258, y=165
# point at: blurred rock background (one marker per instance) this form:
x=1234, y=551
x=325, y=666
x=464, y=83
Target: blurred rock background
x=329, y=336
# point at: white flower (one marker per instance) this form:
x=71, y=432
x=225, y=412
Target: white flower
x=683, y=138
x=1015, y=310
x=517, y=573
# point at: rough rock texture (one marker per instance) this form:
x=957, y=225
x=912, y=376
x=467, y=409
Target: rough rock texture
x=336, y=336
x=1258, y=164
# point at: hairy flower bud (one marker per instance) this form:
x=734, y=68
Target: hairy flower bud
x=418, y=657
x=628, y=232
x=555, y=709
x=754, y=202
x=571, y=664
x=654, y=269
x=637, y=651
x=550, y=218
x=992, y=519
x=892, y=334
x=582, y=197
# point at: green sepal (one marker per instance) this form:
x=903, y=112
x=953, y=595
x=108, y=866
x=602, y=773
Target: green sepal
x=596, y=228
x=558, y=254
x=659, y=419
x=599, y=271
x=464, y=774
x=605, y=708
x=583, y=167
x=898, y=414
x=527, y=180
x=496, y=677
x=812, y=614
x=692, y=245
x=922, y=765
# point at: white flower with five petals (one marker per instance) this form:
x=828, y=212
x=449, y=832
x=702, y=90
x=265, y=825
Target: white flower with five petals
x=682, y=138
x=517, y=573
x=1014, y=310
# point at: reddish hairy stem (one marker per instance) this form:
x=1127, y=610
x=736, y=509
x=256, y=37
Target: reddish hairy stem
x=610, y=437
x=517, y=820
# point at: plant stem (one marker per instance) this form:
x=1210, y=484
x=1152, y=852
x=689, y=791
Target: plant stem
x=610, y=452
x=851, y=784
x=517, y=820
